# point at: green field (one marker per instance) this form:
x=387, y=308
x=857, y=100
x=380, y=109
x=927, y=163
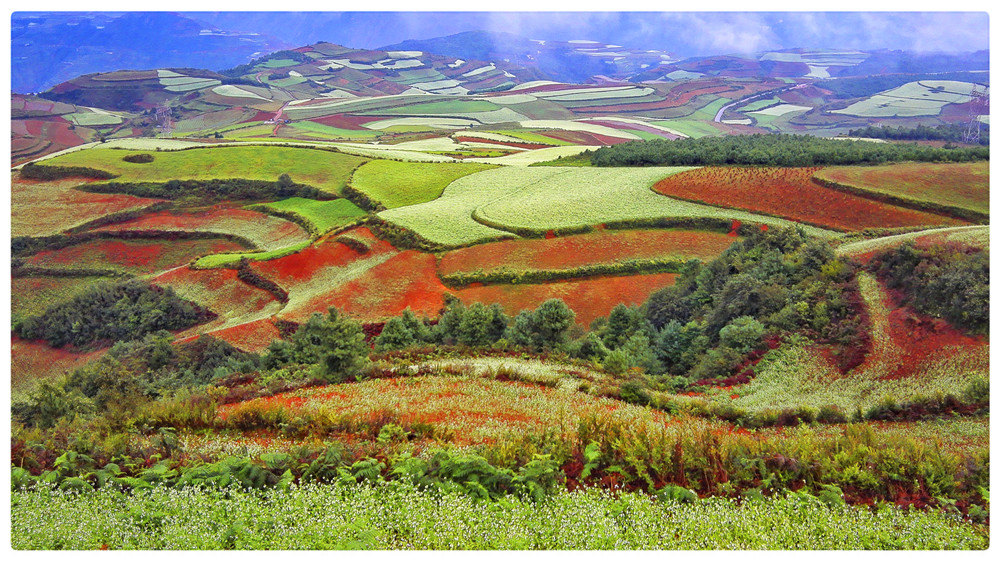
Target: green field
x=397, y=184
x=322, y=169
x=538, y=199
x=333, y=132
x=439, y=108
x=691, y=127
x=223, y=259
x=91, y=119
x=535, y=137
x=278, y=63
x=324, y=215
x=402, y=516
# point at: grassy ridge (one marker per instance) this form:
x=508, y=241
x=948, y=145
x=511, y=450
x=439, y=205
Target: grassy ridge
x=323, y=169
x=396, y=184
x=962, y=190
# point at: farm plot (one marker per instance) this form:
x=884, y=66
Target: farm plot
x=266, y=232
x=586, y=250
x=578, y=126
x=976, y=236
x=912, y=355
x=791, y=193
x=62, y=206
x=33, y=295
x=252, y=336
x=539, y=199
x=373, y=288
x=476, y=410
x=92, y=118
x=323, y=215
x=322, y=169
x=926, y=97
x=221, y=291
x=33, y=361
x=964, y=186
x=589, y=298
x=137, y=257
x=447, y=220
x=526, y=158
x=321, y=258
x=398, y=184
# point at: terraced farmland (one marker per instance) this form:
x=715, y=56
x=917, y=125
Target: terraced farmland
x=791, y=194
x=397, y=184
x=323, y=169
x=496, y=203
x=955, y=187
x=323, y=215
x=63, y=206
x=589, y=298
x=266, y=232
x=137, y=257
x=603, y=249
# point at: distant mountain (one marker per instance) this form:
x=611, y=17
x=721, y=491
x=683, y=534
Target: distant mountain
x=576, y=61
x=49, y=48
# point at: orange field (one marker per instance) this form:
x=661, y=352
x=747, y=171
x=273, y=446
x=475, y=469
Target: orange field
x=133, y=256
x=790, y=193
x=304, y=265
x=405, y=280
x=253, y=336
x=267, y=232
x=34, y=360
x=571, y=252
x=221, y=291
x=61, y=206
x=589, y=298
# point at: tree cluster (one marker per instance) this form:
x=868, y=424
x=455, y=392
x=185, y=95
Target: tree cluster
x=948, y=133
x=112, y=312
x=789, y=150
x=950, y=281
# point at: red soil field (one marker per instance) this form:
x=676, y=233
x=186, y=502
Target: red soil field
x=222, y=292
x=589, y=298
x=304, y=265
x=584, y=138
x=135, y=256
x=633, y=127
x=268, y=232
x=62, y=206
x=344, y=121
x=608, y=246
x=919, y=337
x=33, y=360
x=790, y=193
x=253, y=336
x=406, y=280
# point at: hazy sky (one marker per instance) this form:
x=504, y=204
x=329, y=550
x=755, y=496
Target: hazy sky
x=686, y=33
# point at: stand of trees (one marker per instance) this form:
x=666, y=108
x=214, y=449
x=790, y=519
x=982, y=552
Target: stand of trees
x=948, y=133
x=789, y=150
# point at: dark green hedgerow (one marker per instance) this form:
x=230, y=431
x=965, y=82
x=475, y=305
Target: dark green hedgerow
x=42, y=172
x=510, y=276
x=214, y=189
x=246, y=274
x=23, y=246
x=790, y=150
